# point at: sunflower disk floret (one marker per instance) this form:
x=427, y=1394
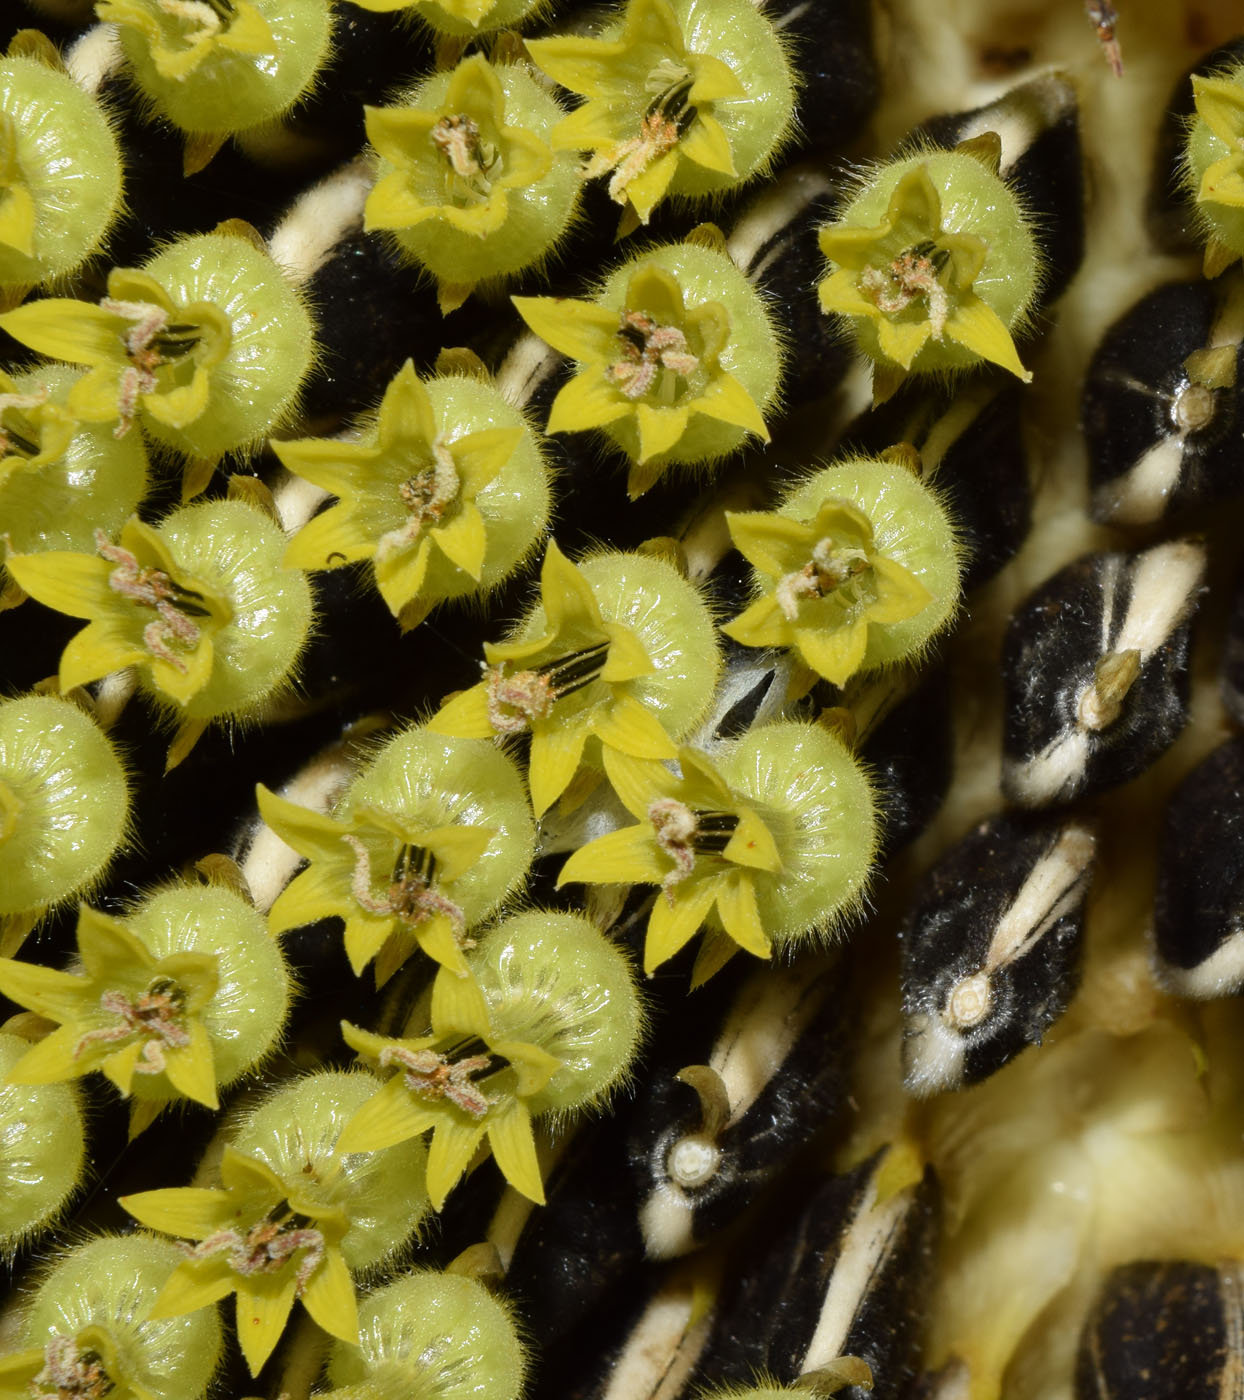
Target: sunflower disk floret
x=547, y=1023
x=293, y=1217
x=426, y=842
x=620, y=653
x=770, y=844
x=446, y=494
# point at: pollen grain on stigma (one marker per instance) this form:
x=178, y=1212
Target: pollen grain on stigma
x=430, y=1074
x=684, y=832
x=158, y=1016
x=472, y=163
x=427, y=496
x=829, y=569
x=916, y=272
x=515, y=700
x=646, y=348
x=70, y=1374
x=150, y=342
x=153, y=588
x=268, y=1245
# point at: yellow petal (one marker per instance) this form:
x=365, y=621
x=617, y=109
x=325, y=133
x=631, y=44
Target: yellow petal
x=762, y=625
x=839, y=292
x=514, y=1147
x=633, y=729
x=725, y=399
x=60, y=996
x=674, y=923
x=453, y=1146
x=479, y=457
x=317, y=893
x=463, y=541
x=52, y=1059
x=836, y=655
x=591, y=127
x=180, y=407
x=752, y=844
x=850, y=247
x=915, y=208
x=527, y=158
x=365, y=935
x=581, y=329
x=618, y=858
x=64, y=329
x=740, y=915
x=714, y=80
x=660, y=428
x=589, y=400
x=334, y=537
x=1223, y=182
x=458, y=1006
x=17, y=219
x=183, y=683
x=582, y=65
x=902, y=341
x=191, y=1069
x=567, y=596
x=194, y=1284
x=264, y=1304
x=647, y=189
x=329, y=1298
x=438, y=940
x=977, y=327
x=119, y=1066
x=75, y=584
x=191, y=1212
x=1220, y=105
x=533, y=1067
x=556, y=750
x=401, y=573
x=456, y=848
x=390, y=1116
x=465, y=716
x=312, y=834
x=406, y=413
x=707, y=144
x=627, y=658
x=94, y=652
x=243, y=1175
x=638, y=782
x=775, y=544
x=900, y=594
x=341, y=468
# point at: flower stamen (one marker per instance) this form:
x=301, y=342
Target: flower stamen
x=914, y=273
x=472, y=163
x=532, y=694
x=150, y=342
x=427, y=495
x=646, y=346
x=267, y=1245
x=683, y=832
x=432, y=1075
x=158, y=1015
x=828, y=570
x=410, y=895
x=153, y=588
x=666, y=120
x=70, y=1374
